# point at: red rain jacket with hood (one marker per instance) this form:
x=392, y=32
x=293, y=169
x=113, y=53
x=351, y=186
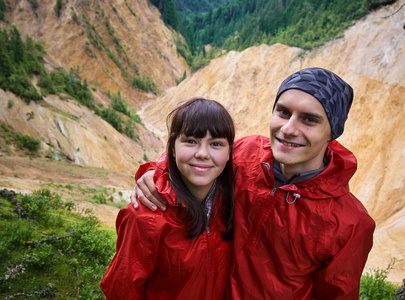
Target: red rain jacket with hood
x=155, y=260
x=307, y=240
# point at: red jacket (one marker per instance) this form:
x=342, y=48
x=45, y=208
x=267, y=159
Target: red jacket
x=314, y=248
x=155, y=260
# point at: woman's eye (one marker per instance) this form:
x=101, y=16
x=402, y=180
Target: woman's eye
x=216, y=144
x=190, y=141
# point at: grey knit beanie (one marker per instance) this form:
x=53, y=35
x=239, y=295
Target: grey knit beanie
x=335, y=95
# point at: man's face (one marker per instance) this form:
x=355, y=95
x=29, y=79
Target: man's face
x=299, y=132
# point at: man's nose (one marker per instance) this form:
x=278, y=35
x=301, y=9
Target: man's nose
x=290, y=127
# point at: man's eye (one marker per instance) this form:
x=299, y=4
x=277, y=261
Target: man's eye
x=283, y=112
x=311, y=120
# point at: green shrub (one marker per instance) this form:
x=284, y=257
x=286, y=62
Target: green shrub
x=4, y=127
x=182, y=78
x=46, y=84
x=41, y=260
x=18, y=61
x=2, y=10
x=129, y=129
x=145, y=83
x=14, y=234
x=99, y=198
x=111, y=116
x=135, y=117
x=58, y=7
x=21, y=85
x=34, y=4
x=118, y=103
x=25, y=141
x=38, y=205
x=373, y=285
x=72, y=84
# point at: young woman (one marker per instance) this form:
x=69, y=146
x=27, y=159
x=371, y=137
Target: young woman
x=185, y=252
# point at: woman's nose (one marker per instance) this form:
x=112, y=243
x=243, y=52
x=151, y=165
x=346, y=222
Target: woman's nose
x=202, y=152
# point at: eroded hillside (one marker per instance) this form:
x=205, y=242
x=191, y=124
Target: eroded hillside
x=371, y=58
x=110, y=42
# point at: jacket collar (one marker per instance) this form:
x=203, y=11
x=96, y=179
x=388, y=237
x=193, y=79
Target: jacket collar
x=332, y=180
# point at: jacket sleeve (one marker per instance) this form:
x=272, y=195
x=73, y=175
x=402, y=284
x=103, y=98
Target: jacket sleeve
x=340, y=278
x=151, y=165
x=135, y=257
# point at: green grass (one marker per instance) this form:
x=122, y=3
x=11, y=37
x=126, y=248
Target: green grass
x=96, y=194
x=48, y=251
x=57, y=110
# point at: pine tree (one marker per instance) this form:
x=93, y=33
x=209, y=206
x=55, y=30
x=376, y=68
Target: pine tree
x=169, y=14
x=2, y=10
x=6, y=67
x=17, y=45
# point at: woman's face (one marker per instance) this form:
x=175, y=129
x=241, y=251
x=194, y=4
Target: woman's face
x=200, y=161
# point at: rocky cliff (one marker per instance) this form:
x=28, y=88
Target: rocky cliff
x=370, y=56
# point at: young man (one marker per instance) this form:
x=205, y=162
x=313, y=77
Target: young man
x=299, y=233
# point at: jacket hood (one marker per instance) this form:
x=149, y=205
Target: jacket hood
x=161, y=179
x=333, y=181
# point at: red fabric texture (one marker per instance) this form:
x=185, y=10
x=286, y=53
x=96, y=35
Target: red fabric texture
x=155, y=260
x=314, y=248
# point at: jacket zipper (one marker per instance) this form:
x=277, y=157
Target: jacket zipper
x=209, y=246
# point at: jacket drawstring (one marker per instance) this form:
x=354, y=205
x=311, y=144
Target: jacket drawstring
x=296, y=196
x=267, y=165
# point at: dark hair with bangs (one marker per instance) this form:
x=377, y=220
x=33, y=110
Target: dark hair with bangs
x=194, y=118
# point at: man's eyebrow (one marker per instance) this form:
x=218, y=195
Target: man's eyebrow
x=312, y=115
x=278, y=105
x=304, y=114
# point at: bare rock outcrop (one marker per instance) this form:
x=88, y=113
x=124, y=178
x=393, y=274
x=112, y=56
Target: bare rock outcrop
x=72, y=132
